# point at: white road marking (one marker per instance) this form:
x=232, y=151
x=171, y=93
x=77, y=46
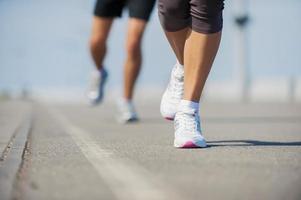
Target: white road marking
x=127, y=180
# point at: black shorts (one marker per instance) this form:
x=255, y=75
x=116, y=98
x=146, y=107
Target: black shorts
x=140, y=9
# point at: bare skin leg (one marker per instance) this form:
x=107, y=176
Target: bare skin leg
x=133, y=60
x=100, y=31
x=198, y=52
x=177, y=42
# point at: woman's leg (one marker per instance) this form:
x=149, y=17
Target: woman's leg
x=200, y=48
x=177, y=41
x=174, y=91
x=199, y=53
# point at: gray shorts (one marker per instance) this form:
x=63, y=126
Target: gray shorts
x=204, y=16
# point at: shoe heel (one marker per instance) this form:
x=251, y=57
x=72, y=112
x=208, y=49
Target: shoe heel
x=169, y=118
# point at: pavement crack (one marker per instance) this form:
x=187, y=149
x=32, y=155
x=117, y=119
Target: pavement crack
x=21, y=175
x=15, y=159
x=9, y=145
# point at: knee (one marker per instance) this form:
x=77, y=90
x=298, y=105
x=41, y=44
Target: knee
x=97, y=41
x=133, y=48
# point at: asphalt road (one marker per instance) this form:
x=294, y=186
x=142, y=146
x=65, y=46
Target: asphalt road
x=79, y=152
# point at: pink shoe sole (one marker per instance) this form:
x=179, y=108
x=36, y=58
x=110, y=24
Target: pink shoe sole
x=169, y=118
x=189, y=144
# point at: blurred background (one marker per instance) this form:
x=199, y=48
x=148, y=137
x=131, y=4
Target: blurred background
x=70, y=151
x=44, y=52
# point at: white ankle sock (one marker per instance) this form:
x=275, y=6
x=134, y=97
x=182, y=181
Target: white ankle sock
x=126, y=101
x=190, y=104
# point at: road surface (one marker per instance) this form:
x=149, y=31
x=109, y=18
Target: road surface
x=61, y=151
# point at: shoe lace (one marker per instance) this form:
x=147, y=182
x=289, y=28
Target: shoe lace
x=190, y=120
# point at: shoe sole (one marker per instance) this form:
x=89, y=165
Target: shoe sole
x=169, y=118
x=190, y=144
x=128, y=121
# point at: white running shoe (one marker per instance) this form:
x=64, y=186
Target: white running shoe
x=96, y=90
x=127, y=112
x=173, y=93
x=187, y=129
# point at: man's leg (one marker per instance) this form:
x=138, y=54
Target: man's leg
x=133, y=60
x=139, y=13
x=100, y=31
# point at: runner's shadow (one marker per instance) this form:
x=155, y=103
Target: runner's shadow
x=241, y=143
